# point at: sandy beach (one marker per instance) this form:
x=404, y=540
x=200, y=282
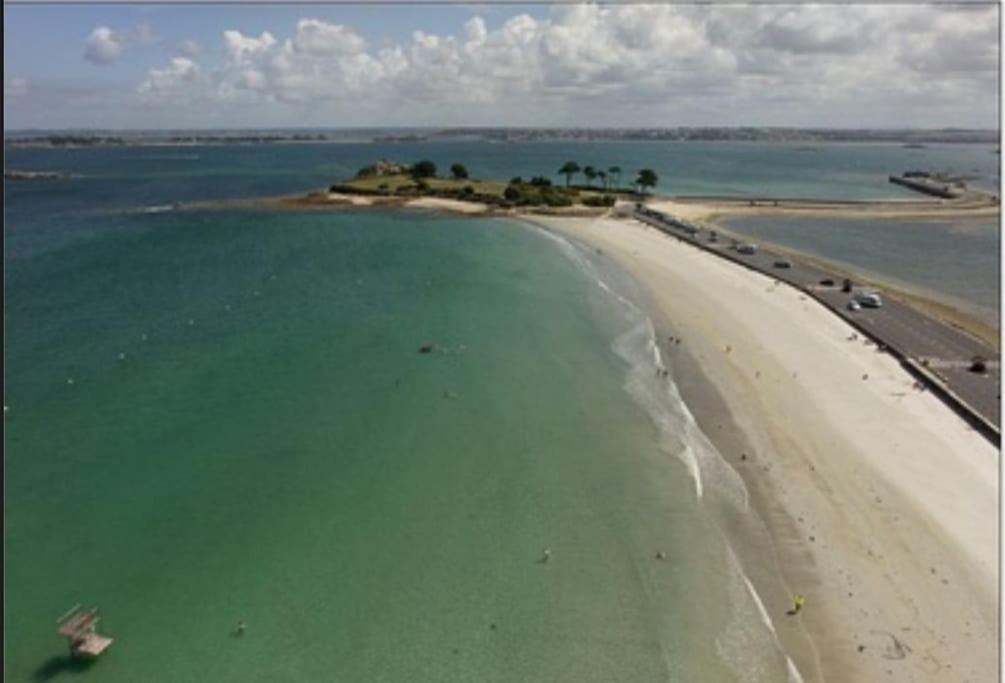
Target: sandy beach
x=881, y=502
x=711, y=208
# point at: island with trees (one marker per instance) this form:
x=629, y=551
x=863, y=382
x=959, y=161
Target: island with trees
x=392, y=182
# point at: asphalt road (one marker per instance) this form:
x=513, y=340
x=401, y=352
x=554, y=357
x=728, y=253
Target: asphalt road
x=940, y=349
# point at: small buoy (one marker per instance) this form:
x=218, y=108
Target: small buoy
x=143, y=337
x=69, y=380
x=122, y=356
x=257, y=293
x=227, y=307
x=272, y=277
x=191, y=321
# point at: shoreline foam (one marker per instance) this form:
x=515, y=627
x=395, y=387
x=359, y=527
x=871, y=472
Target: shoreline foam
x=881, y=502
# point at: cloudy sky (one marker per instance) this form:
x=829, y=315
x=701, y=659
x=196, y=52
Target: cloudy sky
x=153, y=66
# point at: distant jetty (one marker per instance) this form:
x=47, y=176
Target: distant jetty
x=933, y=184
x=15, y=174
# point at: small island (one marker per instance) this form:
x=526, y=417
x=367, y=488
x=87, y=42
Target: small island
x=420, y=185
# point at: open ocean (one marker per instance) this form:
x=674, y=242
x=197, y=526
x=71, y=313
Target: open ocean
x=217, y=416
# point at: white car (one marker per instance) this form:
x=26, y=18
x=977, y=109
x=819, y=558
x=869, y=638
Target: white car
x=869, y=300
x=854, y=305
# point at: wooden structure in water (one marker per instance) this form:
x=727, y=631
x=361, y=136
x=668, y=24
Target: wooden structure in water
x=80, y=628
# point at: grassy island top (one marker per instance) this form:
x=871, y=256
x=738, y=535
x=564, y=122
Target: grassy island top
x=395, y=179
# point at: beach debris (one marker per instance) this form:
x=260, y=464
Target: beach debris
x=545, y=556
x=865, y=376
x=729, y=349
x=743, y=456
x=861, y=648
x=797, y=604
x=427, y=347
x=660, y=555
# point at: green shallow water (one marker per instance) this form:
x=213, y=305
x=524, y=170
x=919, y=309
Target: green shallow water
x=273, y=449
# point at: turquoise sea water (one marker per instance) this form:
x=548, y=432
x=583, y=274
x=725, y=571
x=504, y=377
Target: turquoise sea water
x=756, y=169
x=956, y=262
x=221, y=416
x=218, y=416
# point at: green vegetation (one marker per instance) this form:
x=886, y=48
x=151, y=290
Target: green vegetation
x=392, y=179
x=424, y=169
x=570, y=169
x=647, y=178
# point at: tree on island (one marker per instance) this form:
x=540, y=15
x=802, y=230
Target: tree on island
x=615, y=172
x=590, y=173
x=458, y=172
x=424, y=169
x=647, y=178
x=570, y=169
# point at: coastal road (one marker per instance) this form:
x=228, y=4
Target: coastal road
x=936, y=352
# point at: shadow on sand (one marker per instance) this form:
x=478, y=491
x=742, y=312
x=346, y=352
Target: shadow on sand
x=62, y=664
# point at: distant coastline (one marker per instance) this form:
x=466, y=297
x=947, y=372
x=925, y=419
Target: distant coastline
x=112, y=138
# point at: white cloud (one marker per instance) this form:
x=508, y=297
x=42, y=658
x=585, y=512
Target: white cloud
x=181, y=81
x=812, y=63
x=103, y=46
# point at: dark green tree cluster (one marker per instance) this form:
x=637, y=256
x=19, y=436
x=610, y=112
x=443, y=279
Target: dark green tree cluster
x=538, y=192
x=609, y=179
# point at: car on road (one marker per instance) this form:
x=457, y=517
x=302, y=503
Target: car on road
x=854, y=305
x=869, y=300
x=746, y=249
x=783, y=263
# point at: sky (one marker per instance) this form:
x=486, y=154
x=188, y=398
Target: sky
x=585, y=65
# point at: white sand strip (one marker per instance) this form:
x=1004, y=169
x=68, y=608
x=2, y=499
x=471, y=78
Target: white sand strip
x=881, y=500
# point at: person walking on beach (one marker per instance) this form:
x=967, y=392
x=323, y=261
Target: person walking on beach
x=797, y=604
